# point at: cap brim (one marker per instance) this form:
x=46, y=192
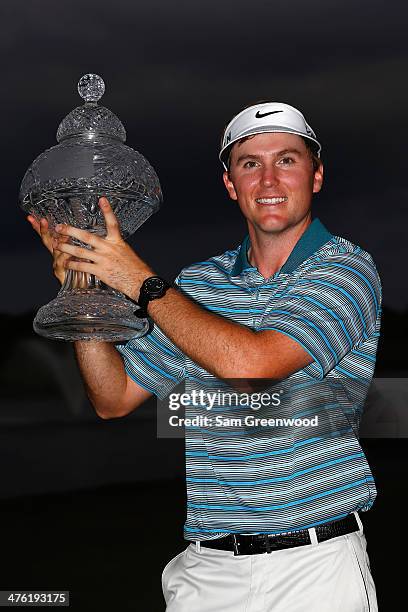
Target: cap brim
x=223, y=156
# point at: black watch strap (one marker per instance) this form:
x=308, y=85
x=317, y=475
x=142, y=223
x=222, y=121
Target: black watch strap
x=152, y=288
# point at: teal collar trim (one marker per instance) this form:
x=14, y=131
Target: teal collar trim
x=310, y=241
x=241, y=262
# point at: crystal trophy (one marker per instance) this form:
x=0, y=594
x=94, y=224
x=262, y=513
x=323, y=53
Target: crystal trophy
x=64, y=185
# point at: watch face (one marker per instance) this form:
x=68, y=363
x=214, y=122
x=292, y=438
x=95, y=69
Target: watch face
x=154, y=284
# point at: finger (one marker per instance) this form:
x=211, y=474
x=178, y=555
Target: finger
x=74, y=232
x=77, y=251
x=45, y=231
x=81, y=266
x=112, y=225
x=60, y=254
x=34, y=223
x=43, y=225
x=59, y=239
x=45, y=234
x=59, y=260
x=59, y=266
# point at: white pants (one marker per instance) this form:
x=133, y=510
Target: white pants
x=333, y=576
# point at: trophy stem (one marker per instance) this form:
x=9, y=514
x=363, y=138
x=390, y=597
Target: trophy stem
x=79, y=280
x=88, y=309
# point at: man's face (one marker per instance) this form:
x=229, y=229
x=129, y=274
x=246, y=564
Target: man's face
x=272, y=178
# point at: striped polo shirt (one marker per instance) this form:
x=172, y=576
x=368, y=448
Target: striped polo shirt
x=304, y=467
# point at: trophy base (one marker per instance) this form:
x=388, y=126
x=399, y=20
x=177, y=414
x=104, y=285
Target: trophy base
x=90, y=314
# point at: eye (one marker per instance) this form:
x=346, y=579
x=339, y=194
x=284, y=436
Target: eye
x=250, y=164
x=286, y=161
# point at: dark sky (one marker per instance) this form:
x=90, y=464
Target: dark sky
x=175, y=73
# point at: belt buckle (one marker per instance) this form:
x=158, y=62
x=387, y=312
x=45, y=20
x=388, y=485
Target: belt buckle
x=236, y=544
x=247, y=546
x=243, y=545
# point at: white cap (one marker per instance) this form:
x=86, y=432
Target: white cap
x=265, y=117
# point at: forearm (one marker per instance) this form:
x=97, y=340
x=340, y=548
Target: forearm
x=222, y=347
x=103, y=374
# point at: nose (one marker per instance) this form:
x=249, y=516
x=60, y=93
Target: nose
x=269, y=175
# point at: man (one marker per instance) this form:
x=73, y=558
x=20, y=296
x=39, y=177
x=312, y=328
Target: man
x=272, y=511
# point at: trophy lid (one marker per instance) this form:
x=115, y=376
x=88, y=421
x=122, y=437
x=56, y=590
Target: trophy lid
x=65, y=181
x=91, y=120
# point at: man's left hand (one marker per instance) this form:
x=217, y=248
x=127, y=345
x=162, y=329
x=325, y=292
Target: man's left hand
x=111, y=259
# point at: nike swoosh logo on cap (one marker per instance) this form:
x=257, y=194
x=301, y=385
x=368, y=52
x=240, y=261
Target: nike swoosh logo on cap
x=259, y=115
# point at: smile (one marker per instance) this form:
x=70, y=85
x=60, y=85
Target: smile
x=271, y=201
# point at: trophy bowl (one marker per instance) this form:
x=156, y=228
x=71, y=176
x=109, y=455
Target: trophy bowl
x=64, y=184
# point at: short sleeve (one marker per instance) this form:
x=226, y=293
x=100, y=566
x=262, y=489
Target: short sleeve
x=153, y=361
x=332, y=307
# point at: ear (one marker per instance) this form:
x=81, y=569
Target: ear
x=229, y=185
x=318, y=179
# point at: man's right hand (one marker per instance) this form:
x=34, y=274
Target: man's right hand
x=49, y=240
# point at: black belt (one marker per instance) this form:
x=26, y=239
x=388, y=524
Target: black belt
x=263, y=543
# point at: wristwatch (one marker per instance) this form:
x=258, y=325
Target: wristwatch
x=152, y=288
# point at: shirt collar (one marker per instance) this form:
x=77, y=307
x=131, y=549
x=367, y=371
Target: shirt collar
x=310, y=241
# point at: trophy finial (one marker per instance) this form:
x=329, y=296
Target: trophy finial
x=91, y=87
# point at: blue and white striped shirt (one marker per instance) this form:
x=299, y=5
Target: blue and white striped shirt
x=243, y=479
